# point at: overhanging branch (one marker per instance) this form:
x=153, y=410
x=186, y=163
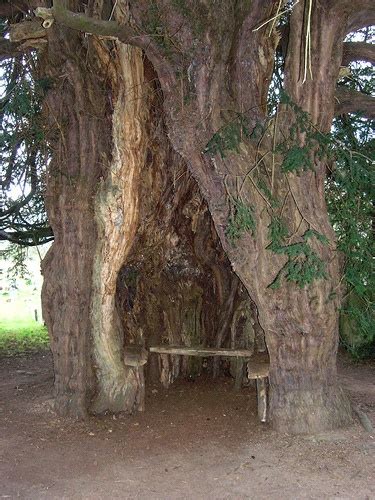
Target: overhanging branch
x=360, y=18
x=112, y=29
x=86, y=24
x=358, y=51
x=28, y=238
x=351, y=101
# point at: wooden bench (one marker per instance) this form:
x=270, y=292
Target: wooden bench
x=257, y=367
x=135, y=357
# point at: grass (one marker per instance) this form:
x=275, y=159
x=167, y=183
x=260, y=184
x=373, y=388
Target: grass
x=22, y=336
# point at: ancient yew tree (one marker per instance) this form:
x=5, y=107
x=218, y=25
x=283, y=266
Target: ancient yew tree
x=177, y=200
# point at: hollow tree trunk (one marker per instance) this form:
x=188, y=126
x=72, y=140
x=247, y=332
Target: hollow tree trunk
x=300, y=324
x=120, y=199
x=213, y=74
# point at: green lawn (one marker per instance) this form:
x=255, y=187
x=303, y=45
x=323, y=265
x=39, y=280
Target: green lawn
x=22, y=336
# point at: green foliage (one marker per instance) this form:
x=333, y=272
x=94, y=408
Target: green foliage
x=241, y=220
x=304, y=143
x=304, y=264
x=350, y=198
x=24, y=150
x=19, y=337
x=229, y=137
x=277, y=233
x=262, y=186
x=357, y=328
x=296, y=158
x=16, y=255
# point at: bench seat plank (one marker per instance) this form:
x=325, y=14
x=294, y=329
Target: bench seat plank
x=201, y=351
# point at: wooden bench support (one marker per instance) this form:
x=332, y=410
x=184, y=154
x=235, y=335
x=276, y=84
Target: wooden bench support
x=262, y=399
x=242, y=355
x=258, y=369
x=135, y=357
x=202, y=351
x=239, y=373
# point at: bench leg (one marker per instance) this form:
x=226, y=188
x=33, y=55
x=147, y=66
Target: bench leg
x=262, y=398
x=141, y=395
x=239, y=374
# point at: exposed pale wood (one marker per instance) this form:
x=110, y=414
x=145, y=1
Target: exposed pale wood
x=165, y=372
x=140, y=397
x=116, y=207
x=202, y=351
x=258, y=367
x=258, y=370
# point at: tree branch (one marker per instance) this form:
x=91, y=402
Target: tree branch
x=112, y=29
x=28, y=238
x=352, y=101
x=86, y=24
x=360, y=18
x=358, y=51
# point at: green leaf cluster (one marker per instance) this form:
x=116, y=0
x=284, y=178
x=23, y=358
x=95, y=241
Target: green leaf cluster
x=296, y=158
x=304, y=265
x=241, y=220
x=350, y=198
x=299, y=156
x=24, y=149
x=229, y=137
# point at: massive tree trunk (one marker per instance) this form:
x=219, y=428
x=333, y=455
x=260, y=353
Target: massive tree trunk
x=214, y=68
x=300, y=324
x=100, y=106
x=78, y=112
x=127, y=218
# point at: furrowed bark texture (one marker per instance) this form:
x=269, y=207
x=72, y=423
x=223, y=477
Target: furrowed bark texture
x=300, y=324
x=128, y=219
x=213, y=66
x=78, y=112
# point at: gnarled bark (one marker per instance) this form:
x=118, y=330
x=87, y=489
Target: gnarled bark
x=199, y=99
x=127, y=219
x=116, y=214
x=78, y=110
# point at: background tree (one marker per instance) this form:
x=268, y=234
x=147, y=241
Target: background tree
x=213, y=65
x=24, y=142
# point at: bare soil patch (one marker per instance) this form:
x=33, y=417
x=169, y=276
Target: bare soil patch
x=198, y=440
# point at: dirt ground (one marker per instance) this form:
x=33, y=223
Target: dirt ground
x=198, y=440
